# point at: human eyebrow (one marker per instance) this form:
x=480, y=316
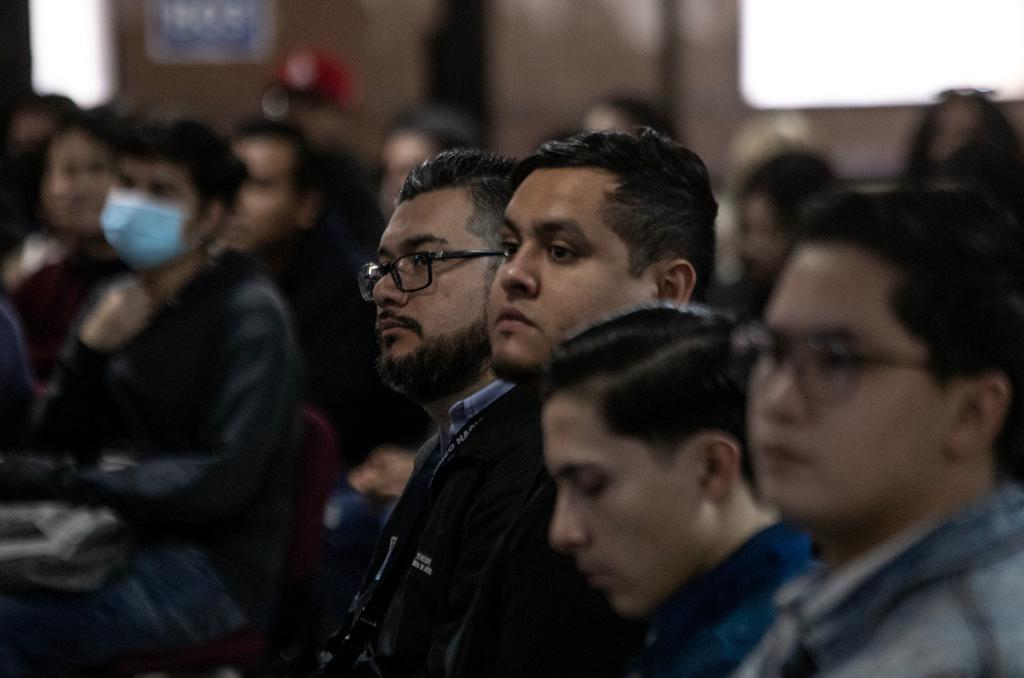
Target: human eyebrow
x=413, y=243
x=511, y=226
x=562, y=227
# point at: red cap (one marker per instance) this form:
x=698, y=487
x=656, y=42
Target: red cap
x=319, y=74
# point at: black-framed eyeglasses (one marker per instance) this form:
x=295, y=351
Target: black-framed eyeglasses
x=825, y=365
x=412, y=272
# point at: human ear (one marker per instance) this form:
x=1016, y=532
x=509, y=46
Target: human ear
x=981, y=404
x=719, y=462
x=676, y=279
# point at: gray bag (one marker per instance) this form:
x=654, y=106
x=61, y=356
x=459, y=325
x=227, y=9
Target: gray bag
x=59, y=546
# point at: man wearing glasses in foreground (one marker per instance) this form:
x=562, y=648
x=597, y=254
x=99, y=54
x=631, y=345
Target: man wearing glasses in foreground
x=886, y=418
x=434, y=267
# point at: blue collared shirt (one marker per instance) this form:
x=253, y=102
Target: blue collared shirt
x=464, y=411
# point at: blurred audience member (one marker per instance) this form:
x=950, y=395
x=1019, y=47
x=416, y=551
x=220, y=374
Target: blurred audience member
x=15, y=381
x=886, y=418
x=280, y=218
x=33, y=121
x=959, y=118
x=417, y=135
x=768, y=206
x=78, y=173
x=186, y=370
x=621, y=113
x=30, y=125
x=994, y=171
x=314, y=90
x=644, y=436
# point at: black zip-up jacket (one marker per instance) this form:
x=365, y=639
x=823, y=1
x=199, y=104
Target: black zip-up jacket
x=472, y=500
x=204, y=403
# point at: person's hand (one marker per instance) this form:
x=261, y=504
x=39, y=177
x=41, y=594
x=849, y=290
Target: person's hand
x=123, y=312
x=384, y=473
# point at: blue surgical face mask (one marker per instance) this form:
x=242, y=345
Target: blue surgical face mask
x=145, y=233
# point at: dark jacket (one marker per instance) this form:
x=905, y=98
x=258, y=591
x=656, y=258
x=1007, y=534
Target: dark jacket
x=535, y=615
x=203, y=403
x=472, y=500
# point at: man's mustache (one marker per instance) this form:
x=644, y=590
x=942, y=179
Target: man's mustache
x=401, y=321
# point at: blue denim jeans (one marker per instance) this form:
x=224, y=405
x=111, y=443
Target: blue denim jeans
x=172, y=597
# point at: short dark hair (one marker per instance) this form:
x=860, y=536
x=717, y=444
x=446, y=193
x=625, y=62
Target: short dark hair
x=485, y=175
x=961, y=290
x=216, y=173
x=663, y=205
x=660, y=373
x=100, y=125
x=788, y=180
x=305, y=172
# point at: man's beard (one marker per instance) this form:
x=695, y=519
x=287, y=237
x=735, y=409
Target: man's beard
x=440, y=367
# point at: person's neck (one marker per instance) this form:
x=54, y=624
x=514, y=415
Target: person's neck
x=165, y=281
x=438, y=410
x=738, y=522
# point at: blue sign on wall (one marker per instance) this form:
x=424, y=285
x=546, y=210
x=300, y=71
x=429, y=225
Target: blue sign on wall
x=220, y=31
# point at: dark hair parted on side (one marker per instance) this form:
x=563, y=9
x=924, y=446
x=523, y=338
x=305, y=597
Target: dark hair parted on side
x=658, y=373
x=305, y=172
x=962, y=287
x=663, y=205
x=487, y=176
x=216, y=173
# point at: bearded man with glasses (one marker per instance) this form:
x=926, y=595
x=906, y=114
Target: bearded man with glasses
x=886, y=418
x=430, y=283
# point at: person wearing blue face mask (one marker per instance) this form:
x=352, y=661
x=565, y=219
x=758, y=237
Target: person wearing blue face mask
x=185, y=370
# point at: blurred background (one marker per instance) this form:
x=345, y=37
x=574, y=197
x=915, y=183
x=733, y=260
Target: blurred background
x=849, y=77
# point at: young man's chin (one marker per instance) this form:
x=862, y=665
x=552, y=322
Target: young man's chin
x=516, y=370
x=627, y=607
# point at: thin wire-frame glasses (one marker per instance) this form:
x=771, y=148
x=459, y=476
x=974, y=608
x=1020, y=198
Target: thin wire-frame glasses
x=826, y=365
x=412, y=272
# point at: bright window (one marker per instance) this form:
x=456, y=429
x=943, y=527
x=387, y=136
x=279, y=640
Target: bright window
x=825, y=53
x=72, y=49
